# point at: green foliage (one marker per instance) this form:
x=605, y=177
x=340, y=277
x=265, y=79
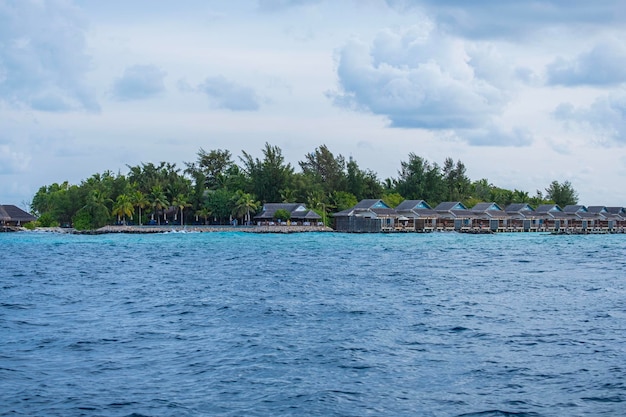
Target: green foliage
x=282, y=215
x=82, y=220
x=393, y=199
x=30, y=225
x=562, y=194
x=220, y=204
x=47, y=220
x=268, y=176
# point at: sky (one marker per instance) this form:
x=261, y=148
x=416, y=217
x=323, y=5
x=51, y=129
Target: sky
x=522, y=92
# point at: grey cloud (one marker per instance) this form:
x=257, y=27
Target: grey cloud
x=606, y=116
x=139, y=82
x=43, y=57
x=429, y=83
x=514, y=18
x=494, y=136
x=226, y=94
x=604, y=65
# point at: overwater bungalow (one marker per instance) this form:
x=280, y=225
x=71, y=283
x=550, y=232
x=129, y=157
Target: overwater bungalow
x=611, y=221
x=489, y=217
x=416, y=215
x=453, y=215
x=369, y=215
x=522, y=218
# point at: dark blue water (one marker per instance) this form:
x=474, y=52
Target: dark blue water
x=230, y=324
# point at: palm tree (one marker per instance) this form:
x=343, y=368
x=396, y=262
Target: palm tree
x=244, y=204
x=181, y=202
x=158, y=201
x=97, y=208
x=123, y=207
x=204, y=212
x=139, y=200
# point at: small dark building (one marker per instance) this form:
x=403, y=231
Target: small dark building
x=298, y=212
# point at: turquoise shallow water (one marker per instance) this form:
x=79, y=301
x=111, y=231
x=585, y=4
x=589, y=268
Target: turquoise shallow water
x=235, y=324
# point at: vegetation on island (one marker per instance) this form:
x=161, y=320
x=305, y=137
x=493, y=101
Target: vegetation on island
x=214, y=189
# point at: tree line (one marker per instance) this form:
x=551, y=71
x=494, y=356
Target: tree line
x=214, y=189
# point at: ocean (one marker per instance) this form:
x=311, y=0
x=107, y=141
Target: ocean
x=312, y=324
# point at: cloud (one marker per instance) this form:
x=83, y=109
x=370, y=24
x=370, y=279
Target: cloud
x=603, y=65
x=43, y=58
x=12, y=161
x=225, y=94
x=417, y=80
x=495, y=136
x=139, y=82
x=606, y=116
x=486, y=19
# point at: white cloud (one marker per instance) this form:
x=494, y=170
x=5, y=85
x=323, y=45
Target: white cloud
x=422, y=79
x=139, y=82
x=43, y=58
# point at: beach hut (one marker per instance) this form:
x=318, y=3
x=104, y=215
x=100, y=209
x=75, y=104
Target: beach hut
x=11, y=215
x=299, y=214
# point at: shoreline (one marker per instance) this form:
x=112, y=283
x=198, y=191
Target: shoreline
x=188, y=229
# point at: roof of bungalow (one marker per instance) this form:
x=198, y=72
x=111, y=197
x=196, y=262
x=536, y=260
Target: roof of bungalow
x=603, y=212
x=581, y=212
x=415, y=208
x=575, y=208
x=369, y=208
x=11, y=213
x=546, y=208
x=597, y=209
x=616, y=210
x=297, y=211
x=489, y=210
x=454, y=208
x=552, y=210
x=518, y=207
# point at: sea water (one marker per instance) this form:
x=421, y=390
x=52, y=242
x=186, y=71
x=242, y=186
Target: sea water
x=312, y=324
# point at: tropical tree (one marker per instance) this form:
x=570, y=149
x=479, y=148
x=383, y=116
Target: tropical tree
x=123, y=207
x=244, y=204
x=210, y=166
x=562, y=194
x=205, y=213
x=220, y=203
x=282, y=215
x=180, y=201
x=139, y=200
x=158, y=201
x=94, y=213
x=268, y=176
x=326, y=170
